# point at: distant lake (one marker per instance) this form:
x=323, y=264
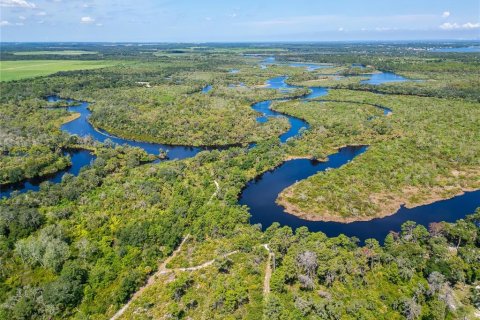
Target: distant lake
x=207, y=89
x=459, y=50
x=310, y=66
x=384, y=77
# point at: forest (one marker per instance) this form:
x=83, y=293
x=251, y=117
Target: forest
x=426, y=149
x=168, y=239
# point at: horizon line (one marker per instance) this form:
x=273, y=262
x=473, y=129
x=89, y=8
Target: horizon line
x=253, y=41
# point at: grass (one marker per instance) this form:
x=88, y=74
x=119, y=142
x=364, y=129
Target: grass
x=16, y=70
x=57, y=52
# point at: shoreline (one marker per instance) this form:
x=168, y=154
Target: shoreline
x=386, y=211
x=70, y=118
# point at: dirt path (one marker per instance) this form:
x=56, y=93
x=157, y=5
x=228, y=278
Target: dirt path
x=162, y=269
x=203, y=265
x=268, y=272
x=216, y=190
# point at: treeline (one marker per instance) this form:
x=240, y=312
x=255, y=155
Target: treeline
x=33, y=146
x=82, y=247
x=30, y=142
x=418, y=273
x=90, y=241
x=170, y=114
x=444, y=76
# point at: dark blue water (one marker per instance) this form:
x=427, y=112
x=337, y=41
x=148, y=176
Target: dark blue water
x=280, y=83
x=375, y=79
x=266, y=62
x=386, y=111
x=316, y=92
x=296, y=124
x=471, y=49
x=237, y=85
x=261, y=193
x=79, y=159
x=384, y=77
x=207, y=88
x=82, y=128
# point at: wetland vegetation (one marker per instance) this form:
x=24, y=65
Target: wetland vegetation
x=80, y=247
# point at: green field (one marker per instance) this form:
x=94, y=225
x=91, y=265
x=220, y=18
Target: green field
x=57, y=52
x=16, y=70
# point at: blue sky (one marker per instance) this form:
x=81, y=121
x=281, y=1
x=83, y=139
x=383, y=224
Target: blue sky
x=240, y=20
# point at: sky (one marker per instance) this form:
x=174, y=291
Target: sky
x=237, y=21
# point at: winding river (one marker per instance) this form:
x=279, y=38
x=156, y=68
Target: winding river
x=260, y=196
x=261, y=193
x=384, y=77
x=79, y=159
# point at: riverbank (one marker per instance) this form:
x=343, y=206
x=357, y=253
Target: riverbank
x=386, y=209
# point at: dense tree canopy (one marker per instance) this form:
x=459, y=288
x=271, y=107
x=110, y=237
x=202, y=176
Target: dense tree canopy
x=82, y=247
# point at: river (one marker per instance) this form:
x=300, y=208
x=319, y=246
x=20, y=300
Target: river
x=261, y=193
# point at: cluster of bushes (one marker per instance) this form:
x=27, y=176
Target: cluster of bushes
x=416, y=274
x=116, y=220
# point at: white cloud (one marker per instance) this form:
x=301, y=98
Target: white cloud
x=41, y=13
x=446, y=14
x=17, y=4
x=87, y=20
x=449, y=26
x=5, y=23
x=341, y=29
x=456, y=26
x=22, y=18
x=470, y=25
